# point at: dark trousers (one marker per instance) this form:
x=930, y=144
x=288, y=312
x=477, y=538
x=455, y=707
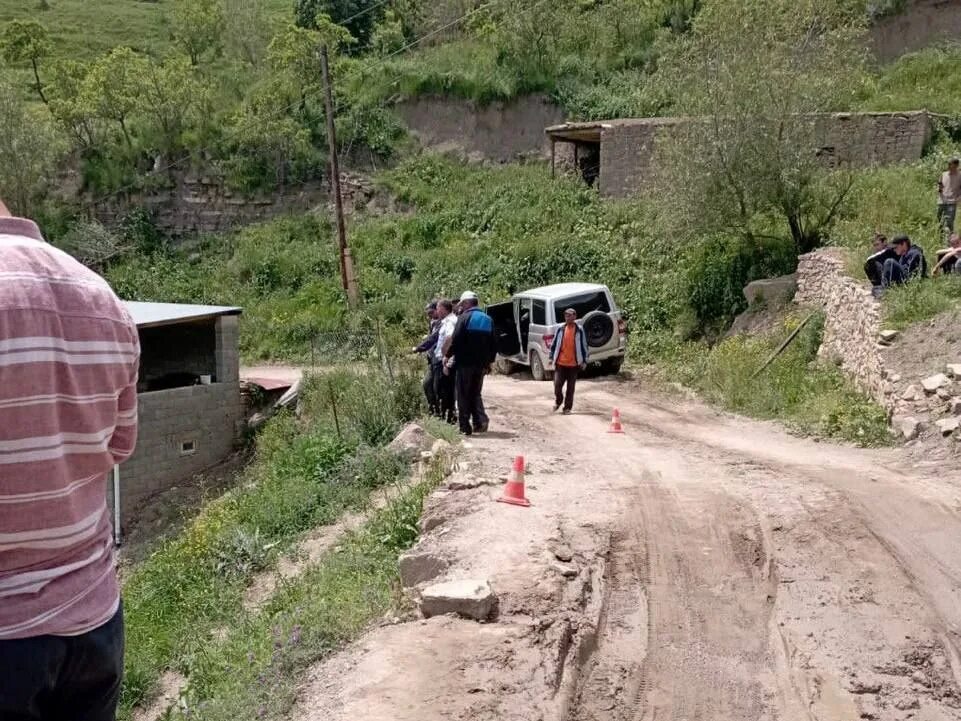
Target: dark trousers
x=433, y=408
x=444, y=390
x=893, y=273
x=874, y=270
x=470, y=403
x=564, y=375
x=63, y=678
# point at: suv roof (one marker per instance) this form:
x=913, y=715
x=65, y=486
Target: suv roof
x=563, y=289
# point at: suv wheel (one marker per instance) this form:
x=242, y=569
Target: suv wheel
x=613, y=365
x=537, y=368
x=599, y=329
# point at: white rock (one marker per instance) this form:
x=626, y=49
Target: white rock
x=932, y=383
x=911, y=393
x=944, y=394
x=888, y=335
x=564, y=569
x=470, y=598
x=420, y=566
x=954, y=370
x=411, y=442
x=947, y=426
x=907, y=427
x=956, y=406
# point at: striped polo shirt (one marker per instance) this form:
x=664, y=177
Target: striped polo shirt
x=69, y=357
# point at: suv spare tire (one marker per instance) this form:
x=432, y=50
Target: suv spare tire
x=599, y=329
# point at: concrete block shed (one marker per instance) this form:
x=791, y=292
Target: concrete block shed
x=191, y=415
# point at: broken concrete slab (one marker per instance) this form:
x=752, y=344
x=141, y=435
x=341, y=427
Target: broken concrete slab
x=471, y=598
x=932, y=383
x=947, y=426
x=908, y=427
x=418, y=567
x=887, y=336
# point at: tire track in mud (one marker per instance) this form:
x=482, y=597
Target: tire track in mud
x=684, y=634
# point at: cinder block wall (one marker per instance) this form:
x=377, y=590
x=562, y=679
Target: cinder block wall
x=210, y=417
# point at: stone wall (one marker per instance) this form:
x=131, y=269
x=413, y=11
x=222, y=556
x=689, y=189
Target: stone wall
x=921, y=24
x=852, y=323
x=499, y=132
x=204, y=204
x=184, y=431
x=629, y=156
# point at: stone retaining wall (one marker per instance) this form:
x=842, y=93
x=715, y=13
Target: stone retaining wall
x=852, y=321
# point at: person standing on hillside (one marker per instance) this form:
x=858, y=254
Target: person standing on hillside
x=69, y=357
x=427, y=347
x=569, y=354
x=443, y=381
x=474, y=348
x=949, y=192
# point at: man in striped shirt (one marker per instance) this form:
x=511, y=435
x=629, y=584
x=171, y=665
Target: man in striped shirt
x=69, y=358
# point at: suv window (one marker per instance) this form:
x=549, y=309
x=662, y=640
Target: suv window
x=539, y=316
x=583, y=304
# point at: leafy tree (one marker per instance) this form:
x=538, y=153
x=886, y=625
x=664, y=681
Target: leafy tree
x=115, y=85
x=198, y=28
x=27, y=41
x=71, y=106
x=388, y=35
x=755, y=73
x=29, y=150
x=171, y=93
x=357, y=16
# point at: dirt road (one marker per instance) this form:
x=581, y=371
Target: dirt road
x=702, y=566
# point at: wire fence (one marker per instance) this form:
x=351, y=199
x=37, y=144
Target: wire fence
x=367, y=346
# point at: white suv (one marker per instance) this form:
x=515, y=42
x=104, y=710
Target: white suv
x=526, y=325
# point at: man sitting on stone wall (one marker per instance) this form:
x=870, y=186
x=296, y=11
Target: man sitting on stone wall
x=948, y=258
x=909, y=263
x=874, y=266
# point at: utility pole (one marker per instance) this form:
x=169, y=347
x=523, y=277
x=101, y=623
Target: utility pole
x=346, y=261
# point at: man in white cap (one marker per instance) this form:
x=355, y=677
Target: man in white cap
x=474, y=347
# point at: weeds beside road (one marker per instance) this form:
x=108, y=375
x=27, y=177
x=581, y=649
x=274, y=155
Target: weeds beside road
x=306, y=472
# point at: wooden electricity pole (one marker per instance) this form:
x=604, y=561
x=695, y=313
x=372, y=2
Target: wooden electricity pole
x=346, y=262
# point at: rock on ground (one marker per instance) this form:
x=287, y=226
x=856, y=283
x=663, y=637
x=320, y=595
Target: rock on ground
x=947, y=426
x=470, y=598
x=774, y=291
x=932, y=383
x=417, y=567
x=954, y=370
x=908, y=427
x=411, y=442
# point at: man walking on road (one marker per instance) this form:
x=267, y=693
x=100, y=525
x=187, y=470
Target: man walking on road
x=443, y=381
x=69, y=358
x=474, y=349
x=569, y=355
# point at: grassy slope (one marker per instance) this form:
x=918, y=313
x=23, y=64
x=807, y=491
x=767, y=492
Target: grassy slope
x=84, y=29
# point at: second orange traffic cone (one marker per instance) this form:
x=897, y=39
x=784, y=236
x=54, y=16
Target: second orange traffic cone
x=514, y=489
x=616, y=422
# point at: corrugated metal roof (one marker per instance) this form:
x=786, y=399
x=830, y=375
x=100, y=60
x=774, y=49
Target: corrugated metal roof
x=149, y=315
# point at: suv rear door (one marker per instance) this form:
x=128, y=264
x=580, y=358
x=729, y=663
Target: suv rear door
x=598, y=316
x=505, y=328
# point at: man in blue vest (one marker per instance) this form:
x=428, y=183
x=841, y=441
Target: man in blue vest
x=473, y=347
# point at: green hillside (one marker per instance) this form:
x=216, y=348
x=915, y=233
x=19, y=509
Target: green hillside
x=85, y=29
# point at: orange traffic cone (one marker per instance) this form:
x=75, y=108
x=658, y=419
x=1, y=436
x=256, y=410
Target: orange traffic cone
x=514, y=489
x=616, y=422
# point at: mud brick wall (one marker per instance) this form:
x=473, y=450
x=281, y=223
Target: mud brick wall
x=629, y=156
x=920, y=24
x=210, y=417
x=852, y=321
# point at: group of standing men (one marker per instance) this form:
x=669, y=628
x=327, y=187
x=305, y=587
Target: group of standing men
x=460, y=349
